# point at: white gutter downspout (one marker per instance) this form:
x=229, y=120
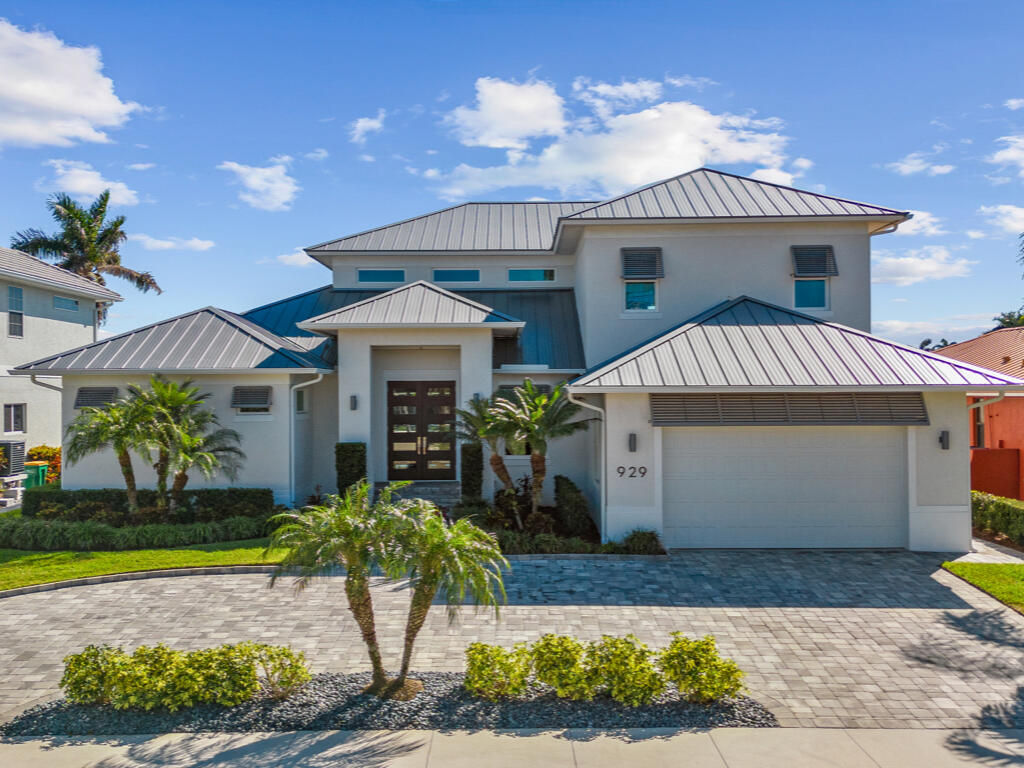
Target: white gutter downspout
x=291, y=431
x=989, y=401
x=38, y=383
x=604, y=460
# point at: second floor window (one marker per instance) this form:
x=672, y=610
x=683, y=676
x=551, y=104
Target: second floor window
x=456, y=275
x=813, y=267
x=14, y=417
x=15, y=311
x=641, y=296
x=641, y=270
x=531, y=275
x=63, y=302
x=810, y=294
x=381, y=275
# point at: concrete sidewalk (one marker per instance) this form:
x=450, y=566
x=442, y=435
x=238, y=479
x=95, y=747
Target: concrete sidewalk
x=721, y=748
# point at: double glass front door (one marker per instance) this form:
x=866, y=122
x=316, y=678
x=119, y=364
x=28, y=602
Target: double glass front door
x=421, y=430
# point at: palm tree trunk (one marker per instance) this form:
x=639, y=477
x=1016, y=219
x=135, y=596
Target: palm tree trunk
x=125, y=460
x=162, y=467
x=419, y=607
x=357, y=590
x=501, y=471
x=177, y=488
x=538, y=466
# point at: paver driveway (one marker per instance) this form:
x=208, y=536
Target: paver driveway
x=854, y=639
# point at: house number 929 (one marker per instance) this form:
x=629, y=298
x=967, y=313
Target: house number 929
x=632, y=471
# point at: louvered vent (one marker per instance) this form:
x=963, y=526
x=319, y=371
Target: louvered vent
x=814, y=261
x=798, y=409
x=251, y=397
x=642, y=264
x=12, y=458
x=95, y=397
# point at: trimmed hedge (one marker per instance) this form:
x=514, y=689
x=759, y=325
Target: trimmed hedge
x=57, y=535
x=349, y=464
x=639, y=542
x=573, y=510
x=998, y=514
x=110, y=505
x=472, y=464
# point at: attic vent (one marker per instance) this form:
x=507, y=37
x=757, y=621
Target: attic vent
x=814, y=261
x=642, y=264
x=95, y=397
x=248, y=398
x=798, y=409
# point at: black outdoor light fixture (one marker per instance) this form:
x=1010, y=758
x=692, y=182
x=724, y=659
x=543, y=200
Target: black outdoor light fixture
x=632, y=442
x=353, y=402
x=944, y=439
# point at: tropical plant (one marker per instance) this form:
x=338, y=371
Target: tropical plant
x=87, y=244
x=349, y=531
x=117, y=426
x=929, y=346
x=1012, y=319
x=456, y=559
x=478, y=424
x=216, y=451
x=537, y=418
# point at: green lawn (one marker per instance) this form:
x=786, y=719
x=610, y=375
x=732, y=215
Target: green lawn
x=20, y=568
x=1004, y=581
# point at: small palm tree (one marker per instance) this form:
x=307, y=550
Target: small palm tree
x=537, y=418
x=456, y=559
x=477, y=424
x=87, y=244
x=212, y=453
x=118, y=427
x=349, y=531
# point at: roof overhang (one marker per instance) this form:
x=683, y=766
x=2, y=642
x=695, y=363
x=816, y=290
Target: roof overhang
x=167, y=371
x=60, y=287
x=965, y=388
x=329, y=329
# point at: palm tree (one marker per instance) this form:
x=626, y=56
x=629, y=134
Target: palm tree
x=118, y=427
x=477, y=424
x=456, y=559
x=86, y=244
x=537, y=418
x=217, y=451
x=348, y=531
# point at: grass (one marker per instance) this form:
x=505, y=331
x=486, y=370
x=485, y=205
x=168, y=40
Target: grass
x=1004, y=581
x=20, y=568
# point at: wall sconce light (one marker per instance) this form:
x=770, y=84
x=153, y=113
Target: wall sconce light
x=632, y=442
x=944, y=439
x=353, y=402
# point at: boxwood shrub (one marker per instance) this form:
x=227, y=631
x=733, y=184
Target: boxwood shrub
x=349, y=464
x=110, y=505
x=472, y=464
x=998, y=514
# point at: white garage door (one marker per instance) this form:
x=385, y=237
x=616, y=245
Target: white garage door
x=785, y=486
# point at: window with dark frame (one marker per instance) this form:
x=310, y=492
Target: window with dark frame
x=641, y=269
x=15, y=311
x=813, y=268
x=978, y=431
x=14, y=417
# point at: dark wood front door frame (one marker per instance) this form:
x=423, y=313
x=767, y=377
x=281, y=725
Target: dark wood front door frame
x=421, y=430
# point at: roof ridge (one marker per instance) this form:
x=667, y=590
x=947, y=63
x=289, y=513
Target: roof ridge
x=270, y=339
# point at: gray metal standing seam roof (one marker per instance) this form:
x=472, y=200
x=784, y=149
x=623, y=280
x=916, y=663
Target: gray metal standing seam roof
x=418, y=303
x=208, y=339
x=20, y=265
x=749, y=343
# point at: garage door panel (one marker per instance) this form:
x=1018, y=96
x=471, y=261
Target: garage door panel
x=784, y=486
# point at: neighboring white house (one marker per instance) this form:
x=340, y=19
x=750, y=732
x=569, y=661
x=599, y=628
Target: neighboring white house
x=716, y=327
x=43, y=310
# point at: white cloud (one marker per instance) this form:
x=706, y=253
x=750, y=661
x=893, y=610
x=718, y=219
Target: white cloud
x=141, y=166
x=1014, y=104
x=1011, y=154
x=358, y=129
x=431, y=173
x=615, y=153
x=923, y=223
x=921, y=162
x=52, y=93
x=317, y=154
x=932, y=262
x=268, y=188
x=367, y=158
x=171, y=243
x=773, y=176
x=603, y=98
x=689, y=81
x=296, y=258
x=976, y=234
x=83, y=182
x=1009, y=218
x=913, y=332
x=507, y=113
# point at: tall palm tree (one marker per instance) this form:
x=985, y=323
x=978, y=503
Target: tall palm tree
x=537, y=418
x=87, y=244
x=118, y=427
x=348, y=531
x=456, y=559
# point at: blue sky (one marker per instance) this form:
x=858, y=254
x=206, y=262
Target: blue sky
x=234, y=134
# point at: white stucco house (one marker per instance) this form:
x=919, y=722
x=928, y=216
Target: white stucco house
x=43, y=310
x=716, y=327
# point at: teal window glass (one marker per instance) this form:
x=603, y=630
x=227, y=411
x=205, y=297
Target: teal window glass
x=15, y=299
x=531, y=275
x=810, y=294
x=381, y=275
x=640, y=296
x=61, y=302
x=456, y=275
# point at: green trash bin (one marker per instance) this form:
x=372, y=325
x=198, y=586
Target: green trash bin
x=36, y=471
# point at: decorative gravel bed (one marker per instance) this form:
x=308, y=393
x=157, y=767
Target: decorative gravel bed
x=334, y=701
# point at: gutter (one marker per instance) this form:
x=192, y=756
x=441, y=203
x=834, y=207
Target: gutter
x=989, y=401
x=604, y=459
x=291, y=430
x=38, y=383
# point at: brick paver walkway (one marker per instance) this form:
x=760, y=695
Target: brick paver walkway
x=853, y=639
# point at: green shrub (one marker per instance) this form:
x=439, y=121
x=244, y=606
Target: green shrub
x=477, y=509
x=110, y=505
x=539, y=522
x=566, y=665
x=573, y=512
x=625, y=667
x=493, y=672
x=696, y=668
x=472, y=470
x=157, y=677
x=349, y=464
x=997, y=514
x=642, y=542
